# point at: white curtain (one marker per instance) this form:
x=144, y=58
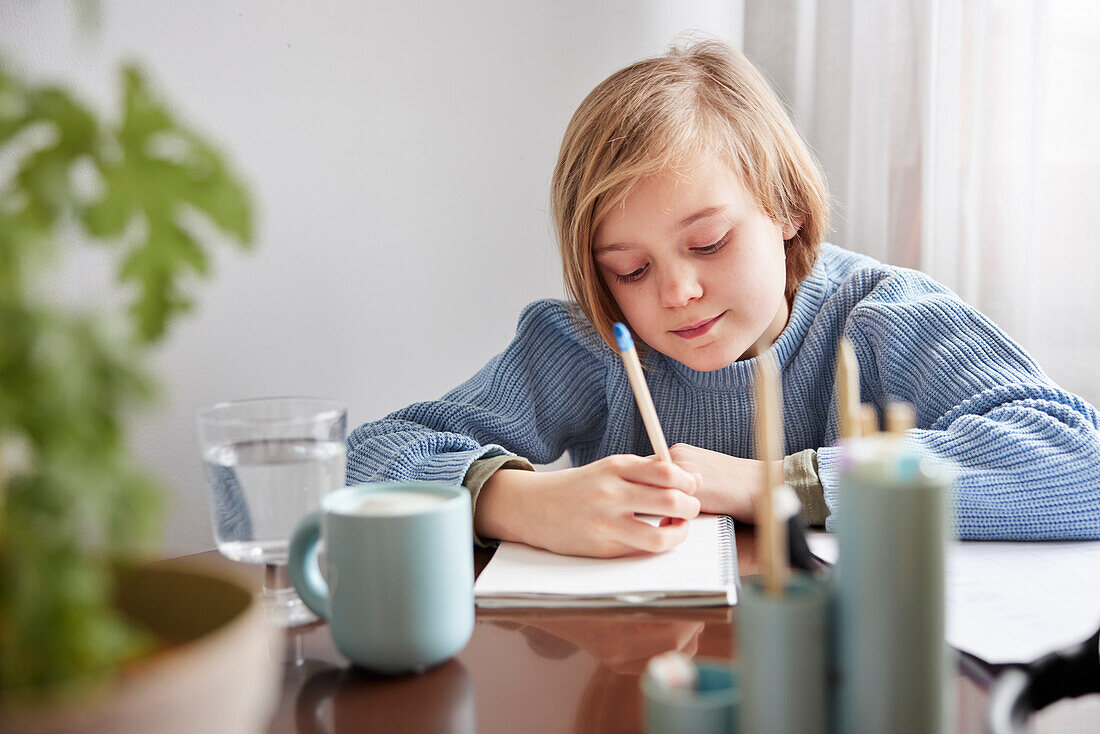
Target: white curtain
x=961, y=138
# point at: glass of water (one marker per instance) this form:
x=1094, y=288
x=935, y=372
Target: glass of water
x=268, y=461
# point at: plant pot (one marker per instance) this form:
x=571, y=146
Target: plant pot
x=220, y=671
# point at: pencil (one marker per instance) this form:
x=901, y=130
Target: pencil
x=769, y=449
x=847, y=390
x=641, y=391
x=900, y=417
x=868, y=419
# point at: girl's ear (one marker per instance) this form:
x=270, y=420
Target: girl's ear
x=791, y=229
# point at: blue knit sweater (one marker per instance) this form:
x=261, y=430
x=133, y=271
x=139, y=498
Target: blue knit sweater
x=1027, y=452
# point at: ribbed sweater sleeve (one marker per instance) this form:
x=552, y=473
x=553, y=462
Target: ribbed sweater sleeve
x=1027, y=452
x=542, y=395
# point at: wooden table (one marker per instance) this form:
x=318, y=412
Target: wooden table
x=528, y=671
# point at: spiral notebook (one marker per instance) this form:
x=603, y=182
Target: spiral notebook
x=700, y=572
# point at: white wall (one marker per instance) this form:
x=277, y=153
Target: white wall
x=399, y=155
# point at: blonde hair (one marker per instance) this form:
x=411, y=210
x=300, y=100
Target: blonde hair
x=701, y=99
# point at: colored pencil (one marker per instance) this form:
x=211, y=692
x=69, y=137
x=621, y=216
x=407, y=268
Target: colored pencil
x=769, y=449
x=847, y=390
x=641, y=391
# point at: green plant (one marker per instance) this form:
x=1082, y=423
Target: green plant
x=73, y=498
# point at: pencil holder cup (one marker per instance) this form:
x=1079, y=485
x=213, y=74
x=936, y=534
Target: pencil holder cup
x=782, y=644
x=709, y=708
x=893, y=526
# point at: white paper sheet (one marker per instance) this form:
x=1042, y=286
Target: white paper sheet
x=695, y=567
x=1013, y=602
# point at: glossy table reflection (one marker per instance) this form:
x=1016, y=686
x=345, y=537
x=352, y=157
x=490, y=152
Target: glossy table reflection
x=525, y=671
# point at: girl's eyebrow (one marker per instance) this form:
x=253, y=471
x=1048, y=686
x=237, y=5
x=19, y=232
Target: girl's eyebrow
x=710, y=211
x=687, y=221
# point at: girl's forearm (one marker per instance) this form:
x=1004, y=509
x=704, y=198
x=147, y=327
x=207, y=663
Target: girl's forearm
x=499, y=513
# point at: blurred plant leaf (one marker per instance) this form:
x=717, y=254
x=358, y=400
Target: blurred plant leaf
x=39, y=194
x=68, y=381
x=158, y=169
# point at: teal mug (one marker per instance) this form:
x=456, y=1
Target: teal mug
x=400, y=572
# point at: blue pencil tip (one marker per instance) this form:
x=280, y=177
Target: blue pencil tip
x=622, y=336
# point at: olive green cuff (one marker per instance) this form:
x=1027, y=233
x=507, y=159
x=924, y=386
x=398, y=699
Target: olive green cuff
x=800, y=472
x=479, y=473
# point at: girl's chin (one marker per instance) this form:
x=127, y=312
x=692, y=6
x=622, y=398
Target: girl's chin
x=708, y=363
x=717, y=352
x=708, y=366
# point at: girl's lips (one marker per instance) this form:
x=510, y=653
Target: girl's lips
x=703, y=328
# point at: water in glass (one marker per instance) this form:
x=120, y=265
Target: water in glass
x=259, y=491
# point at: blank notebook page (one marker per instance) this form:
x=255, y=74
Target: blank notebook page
x=701, y=564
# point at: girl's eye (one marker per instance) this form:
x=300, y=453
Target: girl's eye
x=711, y=249
x=633, y=276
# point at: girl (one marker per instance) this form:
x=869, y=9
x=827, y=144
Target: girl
x=687, y=206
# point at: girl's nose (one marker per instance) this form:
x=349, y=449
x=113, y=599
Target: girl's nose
x=679, y=286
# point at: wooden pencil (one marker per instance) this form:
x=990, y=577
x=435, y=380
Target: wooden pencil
x=769, y=449
x=847, y=390
x=641, y=392
x=900, y=417
x=868, y=419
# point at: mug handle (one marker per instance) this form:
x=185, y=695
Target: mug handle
x=302, y=566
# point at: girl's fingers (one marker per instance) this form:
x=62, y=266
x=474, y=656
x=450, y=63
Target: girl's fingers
x=651, y=538
x=653, y=472
x=663, y=502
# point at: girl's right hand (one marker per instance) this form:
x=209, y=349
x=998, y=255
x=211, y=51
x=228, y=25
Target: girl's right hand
x=590, y=510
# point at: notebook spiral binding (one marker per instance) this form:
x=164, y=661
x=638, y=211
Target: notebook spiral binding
x=727, y=550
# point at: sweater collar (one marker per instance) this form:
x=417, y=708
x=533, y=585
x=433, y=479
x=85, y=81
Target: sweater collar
x=739, y=375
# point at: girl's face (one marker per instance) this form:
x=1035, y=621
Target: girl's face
x=695, y=265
